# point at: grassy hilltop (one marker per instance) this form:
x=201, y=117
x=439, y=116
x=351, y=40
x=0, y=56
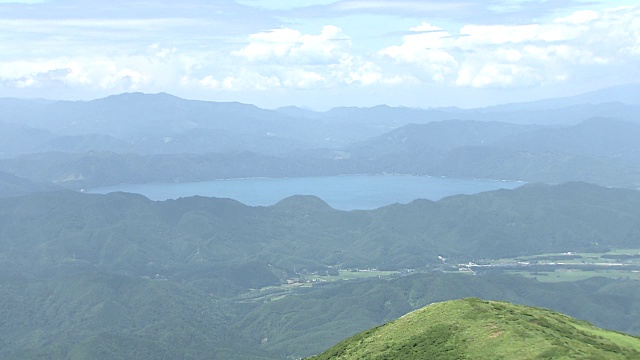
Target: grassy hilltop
x=478, y=329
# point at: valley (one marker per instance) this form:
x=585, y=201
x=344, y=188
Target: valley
x=290, y=253
x=319, y=179
x=621, y=264
x=569, y=266
x=291, y=279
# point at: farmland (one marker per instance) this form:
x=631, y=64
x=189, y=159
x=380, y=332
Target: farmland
x=568, y=266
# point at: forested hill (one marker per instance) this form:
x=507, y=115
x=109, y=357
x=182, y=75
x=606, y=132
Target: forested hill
x=597, y=150
x=90, y=315
x=192, y=238
x=11, y=185
x=476, y=329
x=139, y=138
x=90, y=276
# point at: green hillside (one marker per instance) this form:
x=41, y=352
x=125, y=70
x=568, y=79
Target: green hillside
x=95, y=276
x=11, y=185
x=478, y=329
x=103, y=316
x=307, y=324
x=225, y=247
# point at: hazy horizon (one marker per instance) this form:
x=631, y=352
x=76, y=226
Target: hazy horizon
x=319, y=54
x=325, y=109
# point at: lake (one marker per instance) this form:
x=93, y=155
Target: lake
x=341, y=192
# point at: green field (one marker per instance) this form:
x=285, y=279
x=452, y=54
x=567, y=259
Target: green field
x=558, y=267
x=351, y=275
x=274, y=293
x=626, y=256
x=559, y=276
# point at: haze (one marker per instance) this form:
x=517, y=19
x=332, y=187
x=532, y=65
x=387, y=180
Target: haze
x=268, y=180
x=318, y=54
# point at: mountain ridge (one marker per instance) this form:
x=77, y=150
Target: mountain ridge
x=478, y=329
x=128, y=233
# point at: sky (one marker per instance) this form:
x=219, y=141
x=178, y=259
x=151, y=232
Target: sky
x=319, y=54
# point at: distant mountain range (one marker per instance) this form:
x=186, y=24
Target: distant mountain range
x=597, y=150
x=136, y=138
x=93, y=143
x=162, y=123
x=11, y=185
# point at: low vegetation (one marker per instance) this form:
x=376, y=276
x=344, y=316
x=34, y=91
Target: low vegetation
x=315, y=318
x=477, y=329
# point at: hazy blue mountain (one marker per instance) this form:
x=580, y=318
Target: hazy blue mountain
x=489, y=162
x=85, y=143
x=201, y=141
x=18, y=138
x=599, y=150
x=596, y=137
x=136, y=118
x=384, y=118
x=618, y=102
x=134, y=138
x=11, y=185
x=345, y=125
x=626, y=94
x=133, y=117
x=299, y=112
x=442, y=136
x=130, y=115
x=93, y=169
x=568, y=115
x=163, y=123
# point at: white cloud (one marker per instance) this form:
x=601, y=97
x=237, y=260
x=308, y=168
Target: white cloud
x=365, y=74
x=284, y=4
x=517, y=55
x=108, y=55
x=400, y=80
x=579, y=17
x=207, y=82
x=151, y=71
x=304, y=61
x=250, y=81
x=302, y=79
x=22, y=1
x=292, y=47
x=428, y=49
x=504, y=75
x=49, y=26
x=422, y=6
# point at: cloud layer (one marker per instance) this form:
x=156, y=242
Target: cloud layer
x=211, y=51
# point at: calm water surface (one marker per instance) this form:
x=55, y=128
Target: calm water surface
x=341, y=192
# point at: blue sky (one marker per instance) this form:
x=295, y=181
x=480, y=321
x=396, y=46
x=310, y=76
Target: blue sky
x=319, y=53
